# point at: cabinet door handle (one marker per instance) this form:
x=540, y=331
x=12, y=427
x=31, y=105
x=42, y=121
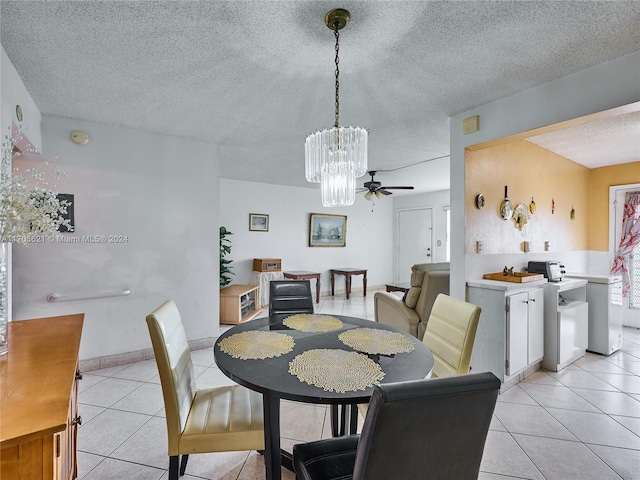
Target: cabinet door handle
x=78, y=375
x=77, y=420
x=525, y=301
x=533, y=299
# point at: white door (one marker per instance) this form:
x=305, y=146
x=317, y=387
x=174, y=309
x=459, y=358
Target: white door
x=414, y=240
x=630, y=315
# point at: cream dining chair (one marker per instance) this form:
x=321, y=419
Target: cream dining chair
x=449, y=335
x=199, y=421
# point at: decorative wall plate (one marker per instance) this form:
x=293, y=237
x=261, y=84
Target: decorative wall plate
x=506, y=208
x=520, y=215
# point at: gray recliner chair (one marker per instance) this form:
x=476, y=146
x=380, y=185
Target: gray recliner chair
x=411, y=313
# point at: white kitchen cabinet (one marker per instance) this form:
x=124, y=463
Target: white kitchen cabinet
x=535, y=347
x=510, y=336
x=566, y=318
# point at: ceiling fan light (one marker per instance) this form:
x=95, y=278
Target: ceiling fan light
x=378, y=194
x=368, y=195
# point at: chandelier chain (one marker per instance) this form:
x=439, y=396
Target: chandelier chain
x=337, y=35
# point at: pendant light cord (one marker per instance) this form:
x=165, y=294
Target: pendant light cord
x=337, y=35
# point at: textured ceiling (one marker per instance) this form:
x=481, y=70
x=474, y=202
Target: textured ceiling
x=257, y=76
x=596, y=144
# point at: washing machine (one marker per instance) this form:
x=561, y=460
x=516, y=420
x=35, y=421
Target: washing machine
x=604, y=296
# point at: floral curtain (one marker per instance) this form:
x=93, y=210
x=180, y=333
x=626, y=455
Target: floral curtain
x=629, y=239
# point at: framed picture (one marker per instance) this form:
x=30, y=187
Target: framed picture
x=327, y=230
x=258, y=222
x=68, y=197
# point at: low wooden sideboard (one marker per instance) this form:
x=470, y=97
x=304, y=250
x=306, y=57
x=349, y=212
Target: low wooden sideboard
x=39, y=399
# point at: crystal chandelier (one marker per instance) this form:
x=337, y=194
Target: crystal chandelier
x=336, y=156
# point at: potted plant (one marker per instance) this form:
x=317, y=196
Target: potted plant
x=225, y=264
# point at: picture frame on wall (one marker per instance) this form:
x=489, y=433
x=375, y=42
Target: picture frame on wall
x=326, y=230
x=258, y=222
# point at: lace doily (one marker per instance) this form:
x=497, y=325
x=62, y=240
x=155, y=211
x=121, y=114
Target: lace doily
x=377, y=342
x=306, y=322
x=256, y=345
x=336, y=370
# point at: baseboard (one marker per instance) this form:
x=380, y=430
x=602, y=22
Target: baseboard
x=131, y=357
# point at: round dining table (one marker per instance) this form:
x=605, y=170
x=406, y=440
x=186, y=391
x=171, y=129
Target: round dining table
x=271, y=376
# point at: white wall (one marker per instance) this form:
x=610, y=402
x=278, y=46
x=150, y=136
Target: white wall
x=602, y=87
x=369, y=233
x=161, y=194
x=435, y=200
x=12, y=93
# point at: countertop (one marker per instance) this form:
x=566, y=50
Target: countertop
x=510, y=287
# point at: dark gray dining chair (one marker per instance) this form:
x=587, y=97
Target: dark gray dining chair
x=432, y=428
x=289, y=297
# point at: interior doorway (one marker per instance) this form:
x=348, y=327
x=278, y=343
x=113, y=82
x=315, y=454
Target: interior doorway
x=631, y=303
x=415, y=240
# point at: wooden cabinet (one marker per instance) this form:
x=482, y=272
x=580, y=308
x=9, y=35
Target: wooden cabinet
x=239, y=303
x=66, y=441
x=38, y=399
x=510, y=336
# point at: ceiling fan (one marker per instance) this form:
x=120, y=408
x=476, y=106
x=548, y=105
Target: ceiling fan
x=377, y=188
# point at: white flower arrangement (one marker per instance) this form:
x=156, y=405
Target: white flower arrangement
x=28, y=206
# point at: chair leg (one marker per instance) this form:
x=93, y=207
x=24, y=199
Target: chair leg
x=183, y=464
x=339, y=426
x=173, y=467
x=334, y=420
x=353, y=417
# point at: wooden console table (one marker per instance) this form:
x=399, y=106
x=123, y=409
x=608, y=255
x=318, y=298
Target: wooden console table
x=39, y=399
x=348, y=272
x=305, y=275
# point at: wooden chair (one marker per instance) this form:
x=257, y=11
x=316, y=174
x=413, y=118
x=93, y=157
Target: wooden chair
x=199, y=421
x=432, y=428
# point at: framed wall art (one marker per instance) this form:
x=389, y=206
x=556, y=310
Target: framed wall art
x=258, y=222
x=327, y=230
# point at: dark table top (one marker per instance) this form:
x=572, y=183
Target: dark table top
x=271, y=375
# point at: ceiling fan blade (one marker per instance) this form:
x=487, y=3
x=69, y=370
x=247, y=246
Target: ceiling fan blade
x=398, y=188
x=383, y=192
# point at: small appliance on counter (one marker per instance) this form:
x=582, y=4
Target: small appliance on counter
x=552, y=271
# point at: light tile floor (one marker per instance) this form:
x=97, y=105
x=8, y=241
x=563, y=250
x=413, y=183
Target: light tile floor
x=581, y=423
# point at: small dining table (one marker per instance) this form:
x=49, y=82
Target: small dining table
x=271, y=376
